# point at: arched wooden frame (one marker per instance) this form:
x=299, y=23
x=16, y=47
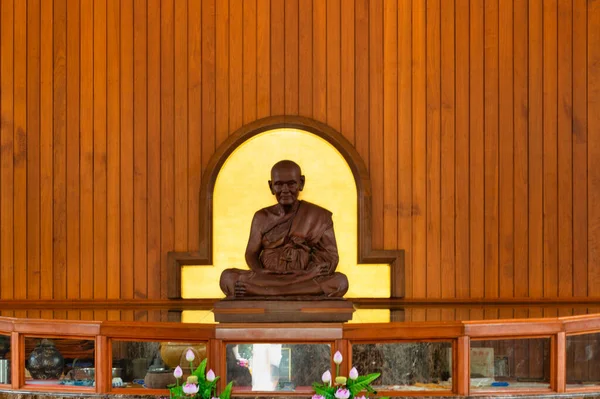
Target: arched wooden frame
x=366, y=254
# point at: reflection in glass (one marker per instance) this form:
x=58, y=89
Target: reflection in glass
x=406, y=366
x=276, y=367
x=4, y=359
x=510, y=363
x=148, y=364
x=583, y=360
x=59, y=361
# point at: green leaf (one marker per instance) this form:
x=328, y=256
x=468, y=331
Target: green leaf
x=362, y=383
x=227, y=391
x=326, y=391
x=200, y=372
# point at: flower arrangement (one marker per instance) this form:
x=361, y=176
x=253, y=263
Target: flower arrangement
x=342, y=387
x=198, y=385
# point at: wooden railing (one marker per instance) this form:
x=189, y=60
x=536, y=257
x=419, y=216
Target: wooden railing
x=341, y=337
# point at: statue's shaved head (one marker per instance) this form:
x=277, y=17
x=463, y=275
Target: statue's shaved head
x=286, y=165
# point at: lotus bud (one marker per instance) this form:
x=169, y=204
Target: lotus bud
x=337, y=358
x=342, y=393
x=353, y=373
x=318, y=397
x=326, y=378
x=190, y=389
x=178, y=373
x=192, y=379
x=189, y=355
x=340, y=380
x=210, y=376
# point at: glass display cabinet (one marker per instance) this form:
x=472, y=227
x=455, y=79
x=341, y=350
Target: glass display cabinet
x=488, y=357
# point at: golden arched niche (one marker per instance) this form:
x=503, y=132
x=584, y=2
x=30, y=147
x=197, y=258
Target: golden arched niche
x=241, y=189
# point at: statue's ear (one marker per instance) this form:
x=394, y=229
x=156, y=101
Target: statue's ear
x=302, y=180
x=271, y=187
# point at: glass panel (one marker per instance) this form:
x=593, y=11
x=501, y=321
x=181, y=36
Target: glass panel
x=150, y=364
x=583, y=360
x=406, y=366
x=59, y=361
x=276, y=367
x=4, y=359
x=510, y=364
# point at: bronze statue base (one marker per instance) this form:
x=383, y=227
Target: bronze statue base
x=283, y=311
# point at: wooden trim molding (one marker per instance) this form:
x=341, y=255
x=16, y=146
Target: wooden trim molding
x=366, y=254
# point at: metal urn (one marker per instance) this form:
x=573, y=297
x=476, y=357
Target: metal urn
x=45, y=361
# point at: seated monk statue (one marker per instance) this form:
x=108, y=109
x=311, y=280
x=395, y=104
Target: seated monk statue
x=292, y=249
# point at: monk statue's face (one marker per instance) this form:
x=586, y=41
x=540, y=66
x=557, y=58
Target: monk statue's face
x=286, y=183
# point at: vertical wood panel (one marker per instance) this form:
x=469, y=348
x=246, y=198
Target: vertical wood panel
x=580, y=188
x=20, y=150
x=59, y=145
x=127, y=151
x=167, y=103
x=180, y=146
x=433, y=94
x=86, y=151
x=506, y=204
x=33, y=149
x=319, y=59
x=405, y=156
x=447, y=152
x=277, y=57
x=263, y=54
x=334, y=64
x=490, y=141
x=114, y=196
x=376, y=169
x=291, y=57
x=236, y=65
x=390, y=124
x=593, y=69
x=419, y=148
x=46, y=187
x=565, y=148
x=249, y=63
x=461, y=237
x=347, y=70
x=73, y=138
x=550, y=148
x=140, y=176
x=6, y=143
x=476, y=149
x=361, y=52
x=536, y=272
x=520, y=153
x=194, y=123
x=100, y=155
x=153, y=287
x=208, y=80
x=222, y=72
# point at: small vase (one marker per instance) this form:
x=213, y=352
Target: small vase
x=45, y=361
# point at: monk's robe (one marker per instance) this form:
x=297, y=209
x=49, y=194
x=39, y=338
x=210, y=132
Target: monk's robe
x=292, y=243
x=299, y=240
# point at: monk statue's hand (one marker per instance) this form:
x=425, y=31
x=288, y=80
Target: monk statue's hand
x=321, y=269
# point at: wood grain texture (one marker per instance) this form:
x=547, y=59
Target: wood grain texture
x=478, y=121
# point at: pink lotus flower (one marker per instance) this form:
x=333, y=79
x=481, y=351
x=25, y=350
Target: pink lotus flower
x=353, y=373
x=190, y=389
x=342, y=393
x=337, y=358
x=210, y=376
x=243, y=362
x=189, y=355
x=318, y=397
x=326, y=378
x=178, y=373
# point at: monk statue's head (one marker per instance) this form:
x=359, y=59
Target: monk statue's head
x=286, y=182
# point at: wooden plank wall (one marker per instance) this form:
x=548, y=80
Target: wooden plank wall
x=479, y=122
